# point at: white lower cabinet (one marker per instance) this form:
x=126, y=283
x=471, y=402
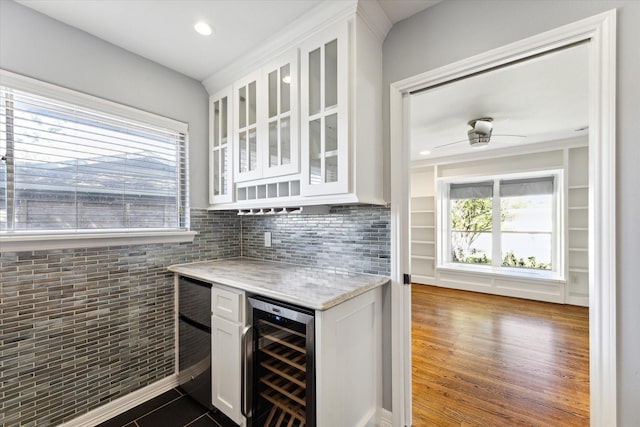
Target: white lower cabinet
x=225, y=350
x=348, y=358
x=349, y=362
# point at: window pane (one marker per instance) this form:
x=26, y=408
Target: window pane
x=73, y=168
x=273, y=93
x=285, y=88
x=223, y=120
x=285, y=141
x=527, y=226
x=273, y=144
x=331, y=134
x=223, y=171
x=253, y=150
x=252, y=103
x=315, y=162
x=242, y=107
x=242, y=142
x=471, y=224
x=314, y=82
x=216, y=173
x=331, y=74
x=216, y=123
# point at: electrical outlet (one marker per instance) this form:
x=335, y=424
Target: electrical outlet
x=267, y=239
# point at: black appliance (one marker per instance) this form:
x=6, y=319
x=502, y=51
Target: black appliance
x=194, y=339
x=278, y=381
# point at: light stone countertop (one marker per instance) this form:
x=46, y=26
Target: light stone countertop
x=314, y=288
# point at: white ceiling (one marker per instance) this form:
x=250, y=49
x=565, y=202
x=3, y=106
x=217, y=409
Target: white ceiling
x=542, y=99
x=162, y=30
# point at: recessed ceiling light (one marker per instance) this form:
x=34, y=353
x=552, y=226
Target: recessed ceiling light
x=203, y=28
x=424, y=152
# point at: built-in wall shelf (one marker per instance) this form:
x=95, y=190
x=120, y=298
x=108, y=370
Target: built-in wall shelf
x=577, y=214
x=422, y=257
x=423, y=229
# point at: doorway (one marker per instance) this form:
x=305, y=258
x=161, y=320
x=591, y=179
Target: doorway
x=600, y=32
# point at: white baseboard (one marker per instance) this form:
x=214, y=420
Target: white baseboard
x=386, y=418
x=123, y=404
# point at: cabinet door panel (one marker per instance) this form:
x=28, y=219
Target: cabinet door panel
x=248, y=149
x=324, y=118
x=281, y=155
x=225, y=371
x=220, y=190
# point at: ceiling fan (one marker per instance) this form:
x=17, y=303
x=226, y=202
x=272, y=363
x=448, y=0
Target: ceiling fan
x=479, y=135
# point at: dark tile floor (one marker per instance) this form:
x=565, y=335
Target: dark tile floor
x=170, y=409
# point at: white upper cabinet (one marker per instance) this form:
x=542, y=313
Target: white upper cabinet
x=325, y=125
x=266, y=120
x=280, y=121
x=220, y=147
x=307, y=123
x=247, y=149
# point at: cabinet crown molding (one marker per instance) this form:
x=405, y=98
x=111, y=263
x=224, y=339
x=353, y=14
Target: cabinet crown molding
x=320, y=17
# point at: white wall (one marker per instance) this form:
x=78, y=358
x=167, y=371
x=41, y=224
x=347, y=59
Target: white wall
x=37, y=46
x=454, y=30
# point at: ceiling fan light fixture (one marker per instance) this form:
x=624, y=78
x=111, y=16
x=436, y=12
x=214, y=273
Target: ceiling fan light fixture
x=478, y=145
x=480, y=132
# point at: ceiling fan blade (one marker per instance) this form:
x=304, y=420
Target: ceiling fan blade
x=450, y=143
x=508, y=136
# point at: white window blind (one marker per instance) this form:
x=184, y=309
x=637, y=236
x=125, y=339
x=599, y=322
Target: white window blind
x=471, y=190
x=69, y=167
x=526, y=187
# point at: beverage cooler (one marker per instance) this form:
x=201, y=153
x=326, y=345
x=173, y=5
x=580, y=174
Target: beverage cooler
x=278, y=365
x=194, y=339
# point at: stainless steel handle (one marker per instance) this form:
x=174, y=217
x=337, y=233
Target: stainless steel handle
x=244, y=369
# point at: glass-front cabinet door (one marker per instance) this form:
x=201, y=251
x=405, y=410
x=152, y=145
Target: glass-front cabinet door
x=324, y=112
x=220, y=151
x=281, y=122
x=248, y=164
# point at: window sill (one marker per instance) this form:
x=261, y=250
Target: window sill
x=542, y=275
x=19, y=242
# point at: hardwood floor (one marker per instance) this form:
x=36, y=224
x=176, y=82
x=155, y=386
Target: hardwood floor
x=485, y=360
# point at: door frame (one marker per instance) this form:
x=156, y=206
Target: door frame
x=600, y=31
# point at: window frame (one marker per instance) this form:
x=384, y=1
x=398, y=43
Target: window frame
x=26, y=240
x=445, y=261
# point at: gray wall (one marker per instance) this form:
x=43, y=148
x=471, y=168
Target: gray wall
x=37, y=46
x=454, y=30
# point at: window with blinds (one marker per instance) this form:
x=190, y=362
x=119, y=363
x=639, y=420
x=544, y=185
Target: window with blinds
x=69, y=167
x=504, y=221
